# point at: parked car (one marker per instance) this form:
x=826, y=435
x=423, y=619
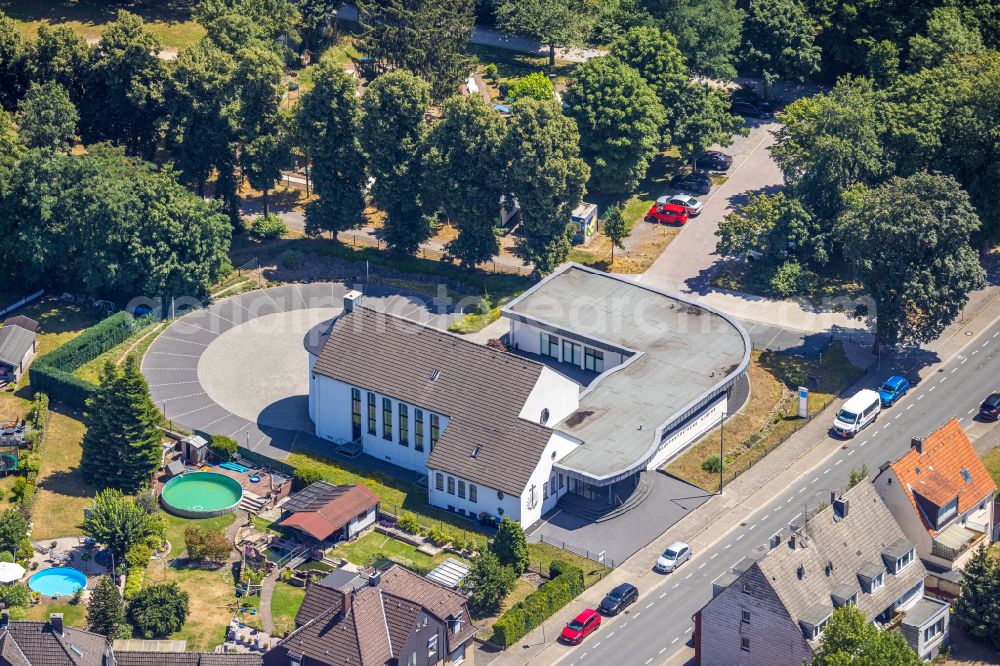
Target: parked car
x=619, y=599
x=675, y=555
x=714, y=160
x=667, y=214
x=692, y=205
x=893, y=389
x=990, y=409
x=748, y=109
x=696, y=182
x=861, y=410
x=582, y=626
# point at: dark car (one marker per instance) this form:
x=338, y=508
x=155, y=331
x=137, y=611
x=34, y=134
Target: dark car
x=619, y=599
x=713, y=160
x=990, y=409
x=696, y=182
x=748, y=109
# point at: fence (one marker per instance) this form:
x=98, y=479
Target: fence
x=582, y=552
x=494, y=266
x=21, y=303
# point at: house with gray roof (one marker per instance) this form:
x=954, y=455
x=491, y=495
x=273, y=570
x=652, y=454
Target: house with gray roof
x=850, y=553
x=603, y=379
x=17, y=347
x=51, y=643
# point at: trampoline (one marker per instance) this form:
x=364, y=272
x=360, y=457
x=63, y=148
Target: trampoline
x=201, y=495
x=8, y=462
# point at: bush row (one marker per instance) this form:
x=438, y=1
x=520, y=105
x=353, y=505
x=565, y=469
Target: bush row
x=24, y=487
x=53, y=372
x=565, y=585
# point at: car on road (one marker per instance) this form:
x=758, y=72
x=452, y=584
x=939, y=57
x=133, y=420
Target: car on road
x=714, y=160
x=893, y=389
x=675, y=555
x=581, y=626
x=696, y=182
x=667, y=214
x=859, y=411
x=619, y=599
x=990, y=409
x=692, y=205
x=749, y=109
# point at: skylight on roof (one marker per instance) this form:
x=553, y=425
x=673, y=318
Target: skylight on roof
x=966, y=476
x=435, y=375
x=475, y=451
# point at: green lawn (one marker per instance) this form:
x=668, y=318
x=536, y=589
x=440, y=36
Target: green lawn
x=74, y=615
x=284, y=605
x=992, y=462
x=373, y=543
x=140, y=340
x=542, y=555
x=169, y=20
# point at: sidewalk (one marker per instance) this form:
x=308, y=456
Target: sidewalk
x=719, y=515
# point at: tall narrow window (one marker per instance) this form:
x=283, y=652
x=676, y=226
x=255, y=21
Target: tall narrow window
x=435, y=430
x=371, y=413
x=461, y=489
x=473, y=493
x=404, y=425
x=550, y=346
x=593, y=360
x=387, y=419
x=418, y=429
x=355, y=413
x=439, y=481
x=571, y=353
x=451, y=485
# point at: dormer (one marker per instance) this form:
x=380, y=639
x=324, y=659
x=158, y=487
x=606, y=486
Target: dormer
x=871, y=576
x=814, y=620
x=844, y=594
x=899, y=555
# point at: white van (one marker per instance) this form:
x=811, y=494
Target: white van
x=859, y=411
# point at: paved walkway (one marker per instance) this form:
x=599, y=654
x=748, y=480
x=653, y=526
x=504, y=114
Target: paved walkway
x=266, y=593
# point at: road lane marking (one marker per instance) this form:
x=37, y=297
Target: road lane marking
x=676, y=585
x=664, y=594
x=740, y=537
x=801, y=490
x=851, y=452
x=920, y=397
x=648, y=660
x=910, y=406
x=611, y=634
x=728, y=546
x=826, y=471
x=702, y=566
x=788, y=500
x=862, y=443
x=931, y=389
x=637, y=614
x=597, y=645
x=714, y=555
x=650, y=605
x=953, y=371
x=688, y=576
x=964, y=360
x=815, y=479
x=675, y=640
x=941, y=381
x=753, y=526
x=689, y=630
x=662, y=650
x=766, y=516
x=971, y=410
x=897, y=417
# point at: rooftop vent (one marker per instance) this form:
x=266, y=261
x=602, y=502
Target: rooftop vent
x=840, y=508
x=801, y=572
x=918, y=470
x=828, y=569
x=966, y=476
x=435, y=375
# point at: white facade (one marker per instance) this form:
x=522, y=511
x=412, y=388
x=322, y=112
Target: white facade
x=554, y=398
x=356, y=526
x=530, y=339
x=688, y=433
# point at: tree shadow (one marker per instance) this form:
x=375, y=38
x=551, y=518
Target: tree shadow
x=98, y=12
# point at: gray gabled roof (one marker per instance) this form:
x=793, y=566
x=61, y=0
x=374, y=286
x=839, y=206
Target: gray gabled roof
x=898, y=548
x=815, y=614
x=842, y=592
x=481, y=390
x=14, y=344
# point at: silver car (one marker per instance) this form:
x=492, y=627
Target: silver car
x=675, y=555
x=692, y=205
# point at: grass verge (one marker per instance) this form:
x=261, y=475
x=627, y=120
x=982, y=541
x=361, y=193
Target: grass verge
x=62, y=493
x=284, y=605
x=992, y=463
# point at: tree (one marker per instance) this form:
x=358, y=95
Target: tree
x=977, y=609
x=510, y=546
x=779, y=41
x=546, y=176
x=849, y=639
x=236, y=24
x=13, y=530
x=707, y=32
x=946, y=35
x=122, y=446
x=615, y=228
x=47, y=117
x=17, y=595
x=328, y=120
x=621, y=122
x=828, y=143
x=205, y=545
x=426, y=37
x=61, y=56
x=201, y=106
x=14, y=64
x=857, y=475
x=317, y=16
x=908, y=241
x=490, y=582
x=773, y=225
x=535, y=85
x=158, y=610
x=882, y=63
x=464, y=169
x=655, y=55
x=391, y=136
x=106, y=609
x=123, y=99
x=702, y=120
x=552, y=22
x=116, y=521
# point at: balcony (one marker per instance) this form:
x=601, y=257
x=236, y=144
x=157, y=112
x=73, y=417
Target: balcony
x=952, y=542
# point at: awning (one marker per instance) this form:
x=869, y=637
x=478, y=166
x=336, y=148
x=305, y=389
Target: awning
x=955, y=537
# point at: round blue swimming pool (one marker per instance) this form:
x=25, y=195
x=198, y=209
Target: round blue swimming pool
x=58, y=581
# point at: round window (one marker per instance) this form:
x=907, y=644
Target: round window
x=500, y=494
x=500, y=510
x=545, y=416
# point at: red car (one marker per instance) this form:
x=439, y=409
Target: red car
x=583, y=624
x=667, y=214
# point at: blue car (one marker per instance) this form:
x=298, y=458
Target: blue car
x=893, y=389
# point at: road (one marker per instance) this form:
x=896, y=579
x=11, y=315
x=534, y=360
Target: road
x=661, y=624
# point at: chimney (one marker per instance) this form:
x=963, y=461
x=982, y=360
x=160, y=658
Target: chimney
x=833, y=496
x=917, y=444
x=375, y=579
x=56, y=622
x=4, y=618
x=791, y=541
x=352, y=298
x=841, y=507
x=346, y=599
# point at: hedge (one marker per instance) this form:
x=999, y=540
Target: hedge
x=53, y=372
x=566, y=585
x=39, y=419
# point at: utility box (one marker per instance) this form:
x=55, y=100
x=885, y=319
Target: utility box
x=584, y=223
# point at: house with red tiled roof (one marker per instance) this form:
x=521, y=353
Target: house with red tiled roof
x=328, y=512
x=942, y=496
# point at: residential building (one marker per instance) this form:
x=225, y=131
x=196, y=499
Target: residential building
x=17, y=347
x=603, y=379
x=942, y=496
x=326, y=511
x=51, y=644
x=396, y=617
x=772, y=611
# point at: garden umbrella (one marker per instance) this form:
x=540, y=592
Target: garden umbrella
x=10, y=572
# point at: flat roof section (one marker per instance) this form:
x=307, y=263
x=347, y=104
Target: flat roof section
x=682, y=355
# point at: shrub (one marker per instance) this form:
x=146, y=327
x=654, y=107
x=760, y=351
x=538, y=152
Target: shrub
x=206, y=545
x=223, y=447
x=18, y=489
x=712, y=464
x=6, y=556
x=491, y=71
x=293, y=259
x=158, y=610
x=791, y=278
x=408, y=523
x=133, y=582
x=485, y=305
x=268, y=227
x=566, y=584
x=138, y=555
x=17, y=595
x=536, y=85
x=305, y=476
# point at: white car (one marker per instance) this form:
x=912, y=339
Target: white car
x=692, y=205
x=675, y=555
